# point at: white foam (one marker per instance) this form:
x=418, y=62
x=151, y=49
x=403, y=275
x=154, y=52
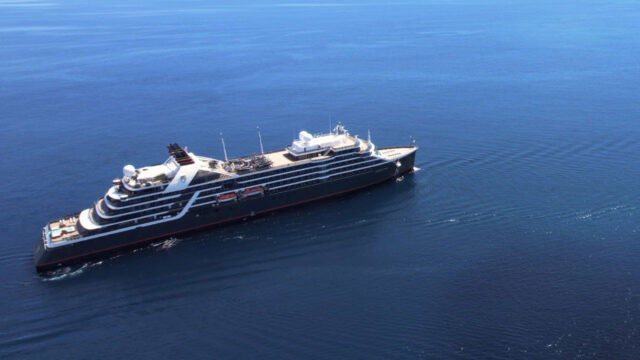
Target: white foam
x=169, y=243
x=164, y=245
x=65, y=272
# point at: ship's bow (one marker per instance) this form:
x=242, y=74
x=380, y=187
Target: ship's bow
x=404, y=157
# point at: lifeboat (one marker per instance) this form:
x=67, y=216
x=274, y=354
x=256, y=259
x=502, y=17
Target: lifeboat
x=227, y=197
x=253, y=191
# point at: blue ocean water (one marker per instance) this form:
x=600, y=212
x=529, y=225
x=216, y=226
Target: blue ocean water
x=519, y=237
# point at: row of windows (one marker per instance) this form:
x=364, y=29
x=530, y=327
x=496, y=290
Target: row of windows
x=100, y=220
x=211, y=177
x=174, y=210
x=141, y=191
x=298, y=186
x=333, y=177
x=201, y=182
x=108, y=211
x=132, y=201
x=263, y=174
x=294, y=168
x=314, y=182
x=300, y=182
x=231, y=184
x=133, y=222
x=289, y=180
x=303, y=171
x=349, y=174
x=349, y=168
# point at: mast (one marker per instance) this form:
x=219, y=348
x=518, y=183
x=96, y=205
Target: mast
x=260, y=138
x=224, y=148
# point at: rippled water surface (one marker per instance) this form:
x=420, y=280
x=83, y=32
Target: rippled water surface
x=518, y=238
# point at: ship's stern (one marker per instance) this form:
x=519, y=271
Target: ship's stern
x=40, y=251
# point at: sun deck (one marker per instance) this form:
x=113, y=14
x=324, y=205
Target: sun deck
x=62, y=230
x=282, y=158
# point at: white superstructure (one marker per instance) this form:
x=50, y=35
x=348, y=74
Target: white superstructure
x=307, y=143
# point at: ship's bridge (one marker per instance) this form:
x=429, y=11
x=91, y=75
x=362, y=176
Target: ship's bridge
x=150, y=175
x=157, y=174
x=176, y=173
x=180, y=164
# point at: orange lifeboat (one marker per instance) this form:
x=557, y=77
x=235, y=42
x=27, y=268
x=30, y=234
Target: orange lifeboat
x=253, y=191
x=227, y=197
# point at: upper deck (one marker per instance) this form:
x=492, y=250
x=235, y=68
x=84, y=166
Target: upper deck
x=63, y=229
x=394, y=153
x=284, y=157
x=182, y=167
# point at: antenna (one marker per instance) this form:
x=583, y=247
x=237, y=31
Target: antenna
x=330, y=128
x=260, y=137
x=368, y=136
x=224, y=149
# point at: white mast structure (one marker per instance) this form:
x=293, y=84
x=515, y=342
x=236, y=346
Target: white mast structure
x=260, y=138
x=224, y=148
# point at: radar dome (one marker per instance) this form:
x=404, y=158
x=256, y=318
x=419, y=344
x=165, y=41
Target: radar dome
x=305, y=136
x=128, y=170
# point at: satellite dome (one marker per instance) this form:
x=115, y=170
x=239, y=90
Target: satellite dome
x=305, y=136
x=128, y=170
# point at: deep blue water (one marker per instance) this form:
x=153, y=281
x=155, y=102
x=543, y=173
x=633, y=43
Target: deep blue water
x=518, y=238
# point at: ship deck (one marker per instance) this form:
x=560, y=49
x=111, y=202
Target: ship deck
x=63, y=229
x=280, y=159
x=393, y=153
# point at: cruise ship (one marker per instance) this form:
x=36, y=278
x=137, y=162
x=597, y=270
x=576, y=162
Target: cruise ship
x=189, y=192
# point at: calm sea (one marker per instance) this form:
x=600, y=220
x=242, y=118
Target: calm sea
x=518, y=238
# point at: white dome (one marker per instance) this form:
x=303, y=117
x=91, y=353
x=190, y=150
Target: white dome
x=128, y=170
x=305, y=136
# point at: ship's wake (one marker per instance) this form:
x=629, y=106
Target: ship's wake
x=73, y=271
x=68, y=271
x=166, y=244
